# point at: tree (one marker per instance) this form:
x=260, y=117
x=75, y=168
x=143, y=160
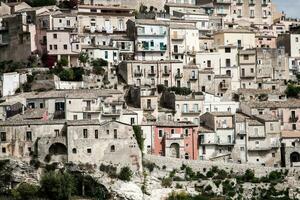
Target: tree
x=66, y=75
x=138, y=134
x=57, y=185
x=83, y=58
x=98, y=65
x=63, y=62
x=125, y=174
x=292, y=90
x=25, y=191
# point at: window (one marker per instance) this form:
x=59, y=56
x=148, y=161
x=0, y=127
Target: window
x=55, y=36
x=96, y=134
x=227, y=50
x=3, y=150
x=50, y=47
x=160, y=133
x=246, y=57
x=28, y=136
x=297, y=39
x=203, y=150
x=209, y=63
x=3, y=136
x=186, y=156
x=112, y=148
x=294, y=126
x=106, y=54
x=241, y=137
x=132, y=121
x=273, y=155
x=172, y=131
x=115, y=133
x=271, y=127
x=85, y=133
x=228, y=63
x=74, y=117
x=107, y=132
x=89, y=150
x=65, y=46
x=186, y=132
x=152, y=43
x=209, y=78
x=55, y=47
x=74, y=150
x=252, y=70
x=56, y=132
x=41, y=105
x=242, y=148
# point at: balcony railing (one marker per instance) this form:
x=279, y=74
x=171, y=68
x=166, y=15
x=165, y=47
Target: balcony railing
x=166, y=73
x=223, y=1
x=112, y=113
x=293, y=119
x=191, y=112
x=149, y=108
x=178, y=75
x=151, y=73
x=224, y=86
x=138, y=73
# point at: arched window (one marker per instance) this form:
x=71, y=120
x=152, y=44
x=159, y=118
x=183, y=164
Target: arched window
x=74, y=150
x=112, y=148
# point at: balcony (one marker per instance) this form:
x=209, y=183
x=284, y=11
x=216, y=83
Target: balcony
x=251, y=75
x=223, y=2
x=166, y=73
x=155, y=48
x=224, y=86
x=191, y=112
x=90, y=109
x=178, y=75
x=193, y=78
x=177, y=37
x=149, y=108
x=264, y=3
x=158, y=34
x=239, y=2
x=111, y=113
x=138, y=73
x=151, y=73
x=293, y=119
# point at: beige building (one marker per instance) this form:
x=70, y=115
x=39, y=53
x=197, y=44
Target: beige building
x=108, y=142
x=247, y=63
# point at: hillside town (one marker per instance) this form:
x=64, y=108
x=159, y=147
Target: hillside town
x=125, y=82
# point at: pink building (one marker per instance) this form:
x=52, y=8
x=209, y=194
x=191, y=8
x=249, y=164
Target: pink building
x=265, y=41
x=175, y=139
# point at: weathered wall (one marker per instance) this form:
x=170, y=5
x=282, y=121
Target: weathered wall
x=200, y=165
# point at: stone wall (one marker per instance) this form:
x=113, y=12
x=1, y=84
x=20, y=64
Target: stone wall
x=173, y=163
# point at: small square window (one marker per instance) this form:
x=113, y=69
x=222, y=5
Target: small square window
x=89, y=150
x=54, y=35
x=3, y=150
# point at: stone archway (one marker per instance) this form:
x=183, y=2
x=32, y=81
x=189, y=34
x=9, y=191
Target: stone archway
x=174, y=150
x=58, y=149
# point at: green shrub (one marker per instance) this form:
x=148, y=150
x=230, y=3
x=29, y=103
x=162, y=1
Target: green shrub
x=178, y=186
x=25, y=191
x=149, y=165
x=125, y=174
x=166, y=182
x=109, y=169
x=138, y=134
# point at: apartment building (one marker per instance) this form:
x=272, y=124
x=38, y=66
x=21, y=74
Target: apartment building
x=257, y=140
x=151, y=39
x=184, y=42
x=287, y=111
x=175, y=139
x=248, y=71
x=139, y=73
x=241, y=38
x=216, y=136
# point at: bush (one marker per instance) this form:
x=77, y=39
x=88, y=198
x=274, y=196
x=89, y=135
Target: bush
x=109, y=169
x=178, y=186
x=25, y=191
x=180, y=90
x=149, y=165
x=125, y=174
x=57, y=185
x=208, y=188
x=166, y=182
x=292, y=90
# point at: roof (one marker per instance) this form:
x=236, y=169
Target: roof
x=175, y=124
x=254, y=122
x=151, y=22
x=241, y=117
x=235, y=31
x=152, y=61
x=290, y=134
x=80, y=93
x=220, y=114
x=266, y=118
x=205, y=129
x=259, y=91
x=289, y=103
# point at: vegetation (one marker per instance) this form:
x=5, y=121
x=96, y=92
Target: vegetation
x=83, y=58
x=25, y=191
x=166, y=182
x=125, y=174
x=98, y=65
x=138, y=134
x=109, y=169
x=293, y=90
x=52, y=182
x=150, y=166
x=185, y=196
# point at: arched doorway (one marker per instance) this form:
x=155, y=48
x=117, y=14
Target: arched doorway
x=174, y=150
x=58, y=149
x=294, y=157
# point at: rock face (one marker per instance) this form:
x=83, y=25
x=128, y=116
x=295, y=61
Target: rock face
x=127, y=191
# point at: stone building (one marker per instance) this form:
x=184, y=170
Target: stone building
x=110, y=142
